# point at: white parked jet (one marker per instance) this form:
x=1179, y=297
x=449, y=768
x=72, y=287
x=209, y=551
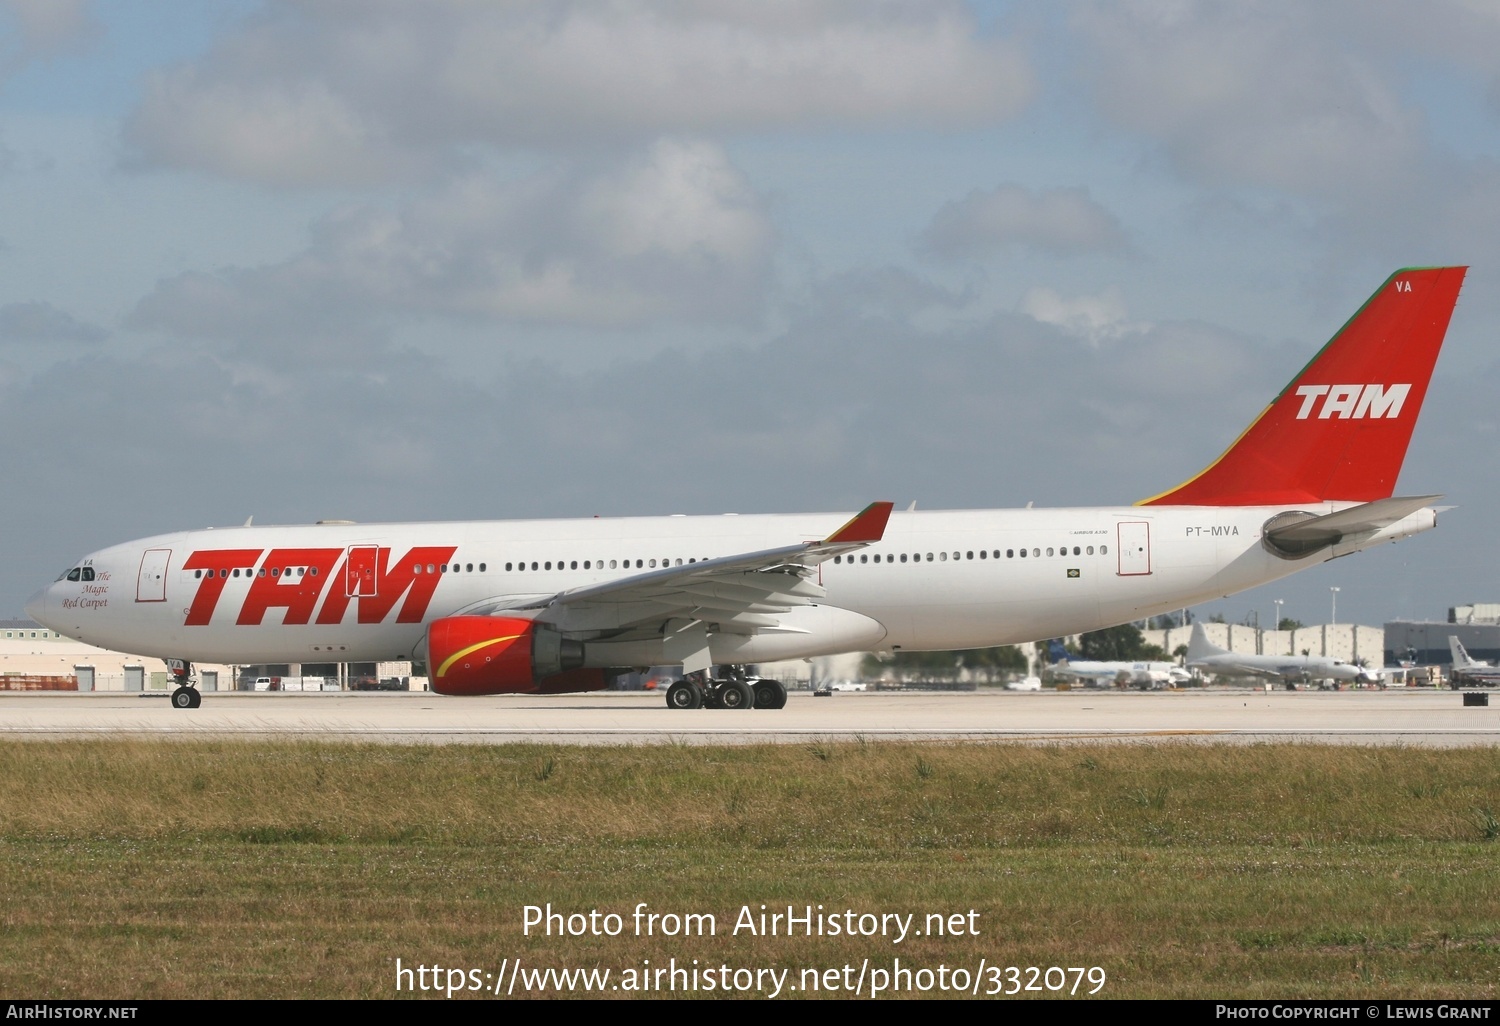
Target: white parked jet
x=1141, y=673
x=1211, y=658
x=1466, y=668
x=561, y=605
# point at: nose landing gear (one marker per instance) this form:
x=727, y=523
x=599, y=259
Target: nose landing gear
x=186, y=695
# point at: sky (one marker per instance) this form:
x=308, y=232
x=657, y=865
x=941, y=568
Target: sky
x=376, y=260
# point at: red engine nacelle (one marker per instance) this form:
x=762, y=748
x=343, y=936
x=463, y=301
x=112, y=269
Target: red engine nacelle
x=496, y=655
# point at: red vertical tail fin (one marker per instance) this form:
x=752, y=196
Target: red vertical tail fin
x=1340, y=430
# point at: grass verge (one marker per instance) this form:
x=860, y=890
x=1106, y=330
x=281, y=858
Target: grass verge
x=147, y=869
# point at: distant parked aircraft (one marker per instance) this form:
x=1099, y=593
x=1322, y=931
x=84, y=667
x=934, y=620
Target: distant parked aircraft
x=1139, y=673
x=1466, y=668
x=1206, y=656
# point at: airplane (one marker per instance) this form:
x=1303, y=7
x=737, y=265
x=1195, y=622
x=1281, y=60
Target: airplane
x=1206, y=656
x=1466, y=668
x=1141, y=673
x=547, y=606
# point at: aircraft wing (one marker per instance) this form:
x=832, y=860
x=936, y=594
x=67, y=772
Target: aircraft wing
x=741, y=594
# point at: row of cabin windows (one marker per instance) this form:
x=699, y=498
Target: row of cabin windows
x=598, y=564
x=299, y=571
x=917, y=557
x=644, y=564
x=34, y=634
x=274, y=571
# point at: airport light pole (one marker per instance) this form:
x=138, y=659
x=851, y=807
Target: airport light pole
x=1334, y=617
x=1277, y=604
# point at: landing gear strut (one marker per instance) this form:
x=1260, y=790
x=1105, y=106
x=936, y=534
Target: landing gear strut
x=186, y=696
x=732, y=689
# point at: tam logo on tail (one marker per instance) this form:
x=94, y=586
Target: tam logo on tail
x=1337, y=431
x=1357, y=401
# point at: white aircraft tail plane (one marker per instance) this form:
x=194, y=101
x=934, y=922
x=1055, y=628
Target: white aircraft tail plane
x=1212, y=659
x=1461, y=658
x=1467, y=668
x=1200, y=648
x=565, y=605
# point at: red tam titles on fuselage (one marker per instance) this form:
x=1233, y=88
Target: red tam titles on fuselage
x=295, y=579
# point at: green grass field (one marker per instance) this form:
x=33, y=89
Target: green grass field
x=168, y=869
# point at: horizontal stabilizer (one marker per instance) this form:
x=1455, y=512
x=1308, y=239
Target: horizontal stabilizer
x=1298, y=534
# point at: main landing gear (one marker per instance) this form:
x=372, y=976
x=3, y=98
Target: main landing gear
x=186, y=695
x=731, y=691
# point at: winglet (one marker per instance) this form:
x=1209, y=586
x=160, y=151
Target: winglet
x=868, y=525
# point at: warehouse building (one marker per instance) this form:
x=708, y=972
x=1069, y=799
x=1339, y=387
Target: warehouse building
x=1425, y=643
x=29, y=651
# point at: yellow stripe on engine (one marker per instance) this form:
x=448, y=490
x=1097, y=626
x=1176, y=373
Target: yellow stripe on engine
x=456, y=656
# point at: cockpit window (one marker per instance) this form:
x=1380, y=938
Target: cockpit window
x=75, y=574
x=88, y=573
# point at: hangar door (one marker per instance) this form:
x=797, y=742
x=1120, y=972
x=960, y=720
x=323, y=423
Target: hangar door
x=1134, y=548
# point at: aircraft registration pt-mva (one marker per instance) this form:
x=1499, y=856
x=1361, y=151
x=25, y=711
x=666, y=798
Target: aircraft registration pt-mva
x=545, y=606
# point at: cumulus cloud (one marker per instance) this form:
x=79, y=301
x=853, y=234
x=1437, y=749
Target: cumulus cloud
x=1058, y=222
x=43, y=323
x=1093, y=318
x=1237, y=96
x=44, y=28
x=319, y=93
x=670, y=232
x=297, y=132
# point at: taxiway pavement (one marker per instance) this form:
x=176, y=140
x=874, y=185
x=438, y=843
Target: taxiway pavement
x=1409, y=717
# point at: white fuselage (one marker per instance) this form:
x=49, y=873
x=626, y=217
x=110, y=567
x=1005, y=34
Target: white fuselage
x=936, y=580
x=1136, y=672
x=1288, y=667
